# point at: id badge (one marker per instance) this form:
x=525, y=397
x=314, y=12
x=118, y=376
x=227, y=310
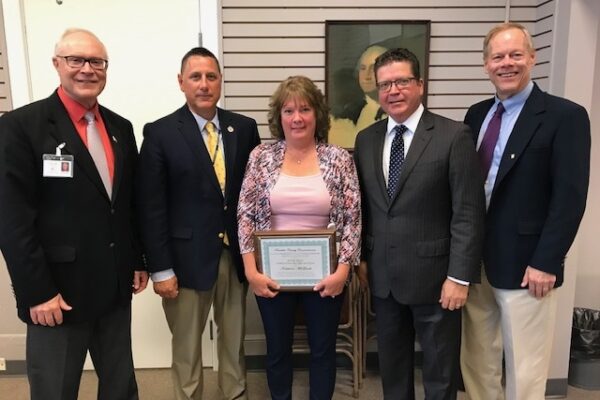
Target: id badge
x=57, y=165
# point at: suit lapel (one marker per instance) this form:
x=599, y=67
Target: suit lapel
x=527, y=124
x=380, y=131
x=419, y=142
x=230, y=143
x=479, y=117
x=63, y=131
x=193, y=136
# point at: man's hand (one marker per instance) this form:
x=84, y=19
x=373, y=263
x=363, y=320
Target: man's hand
x=140, y=281
x=454, y=295
x=168, y=289
x=363, y=276
x=540, y=283
x=50, y=312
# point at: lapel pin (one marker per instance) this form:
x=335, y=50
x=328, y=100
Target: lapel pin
x=114, y=139
x=512, y=156
x=230, y=129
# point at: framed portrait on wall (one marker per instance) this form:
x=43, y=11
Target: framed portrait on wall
x=350, y=51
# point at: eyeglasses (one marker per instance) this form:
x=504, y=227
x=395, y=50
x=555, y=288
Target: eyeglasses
x=400, y=83
x=79, y=62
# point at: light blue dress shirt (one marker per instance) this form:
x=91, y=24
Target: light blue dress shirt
x=512, y=106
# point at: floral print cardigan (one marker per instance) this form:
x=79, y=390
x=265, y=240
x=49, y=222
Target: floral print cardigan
x=339, y=175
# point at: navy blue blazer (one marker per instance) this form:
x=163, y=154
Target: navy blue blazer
x=183, y=212
x=540, y=192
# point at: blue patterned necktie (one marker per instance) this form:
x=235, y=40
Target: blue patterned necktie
x=396, y=159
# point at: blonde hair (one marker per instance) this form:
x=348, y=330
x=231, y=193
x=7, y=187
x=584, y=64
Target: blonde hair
x=504, y=27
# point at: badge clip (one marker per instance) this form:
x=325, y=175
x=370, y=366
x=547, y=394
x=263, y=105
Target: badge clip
x=59, y=148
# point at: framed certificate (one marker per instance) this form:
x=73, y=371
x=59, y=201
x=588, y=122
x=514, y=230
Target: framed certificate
x=297, y=260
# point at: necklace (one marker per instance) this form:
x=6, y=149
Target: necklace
x=300, y=157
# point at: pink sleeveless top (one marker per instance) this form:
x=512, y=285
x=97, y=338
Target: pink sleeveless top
x=300, y=202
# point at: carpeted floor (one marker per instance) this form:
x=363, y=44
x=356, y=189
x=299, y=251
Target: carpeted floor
x=155, y=384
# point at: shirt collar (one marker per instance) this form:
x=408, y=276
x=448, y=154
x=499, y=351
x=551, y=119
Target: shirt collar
x=410, y=122
x=75, y=110
x=202, y=121
x=516, y=101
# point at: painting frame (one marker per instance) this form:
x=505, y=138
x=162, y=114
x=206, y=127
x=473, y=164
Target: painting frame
x=351, y=47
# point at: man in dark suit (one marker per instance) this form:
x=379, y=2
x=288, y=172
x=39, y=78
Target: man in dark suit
x=423, y=211
x=66, y=227
x=192, y=163
x=536, y=178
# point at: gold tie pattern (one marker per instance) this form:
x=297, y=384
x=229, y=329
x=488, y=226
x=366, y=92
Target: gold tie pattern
x=216, y=156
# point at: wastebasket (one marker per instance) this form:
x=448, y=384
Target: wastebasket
x=584, y=365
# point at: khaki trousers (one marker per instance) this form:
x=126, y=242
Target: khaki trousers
x=186, y=317
x=513, y=320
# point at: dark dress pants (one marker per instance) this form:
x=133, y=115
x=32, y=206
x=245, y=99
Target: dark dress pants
x=322, y=316
x=438, y=332
x=55, y=357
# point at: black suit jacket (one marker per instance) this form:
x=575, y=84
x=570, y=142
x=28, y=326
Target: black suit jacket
x=182, y=209
x=540, y=192
x=433, y=226
x=64, y=235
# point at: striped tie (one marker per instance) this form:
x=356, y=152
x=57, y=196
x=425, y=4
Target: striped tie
x=216, y=156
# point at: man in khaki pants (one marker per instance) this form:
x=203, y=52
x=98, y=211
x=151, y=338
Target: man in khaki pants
x=534, y=150
x=191, y=167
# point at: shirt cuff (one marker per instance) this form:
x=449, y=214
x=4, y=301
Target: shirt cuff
x=162, y=275
x=464, y=283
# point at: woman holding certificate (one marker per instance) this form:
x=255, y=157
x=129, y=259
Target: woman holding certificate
x=300, y=183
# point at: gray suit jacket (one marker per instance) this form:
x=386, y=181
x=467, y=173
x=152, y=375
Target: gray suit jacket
x=433, y=226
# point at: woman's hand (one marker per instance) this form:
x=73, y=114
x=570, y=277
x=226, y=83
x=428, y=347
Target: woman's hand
x=333, y=284
x=262, y=285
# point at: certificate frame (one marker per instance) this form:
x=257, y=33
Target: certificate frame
x=276, y=251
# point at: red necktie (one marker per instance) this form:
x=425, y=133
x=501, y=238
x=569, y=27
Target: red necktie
x=488, y=144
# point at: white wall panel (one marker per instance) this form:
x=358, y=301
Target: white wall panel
x=495, y=14
x=373, y=3
x=265, y=41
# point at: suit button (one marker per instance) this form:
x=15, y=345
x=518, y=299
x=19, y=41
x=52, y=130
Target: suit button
x=225, y=208
x=112, y=211
x=221, y=235
x=111, y=244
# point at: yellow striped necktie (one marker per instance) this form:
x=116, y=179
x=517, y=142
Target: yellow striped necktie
x=216, y=156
